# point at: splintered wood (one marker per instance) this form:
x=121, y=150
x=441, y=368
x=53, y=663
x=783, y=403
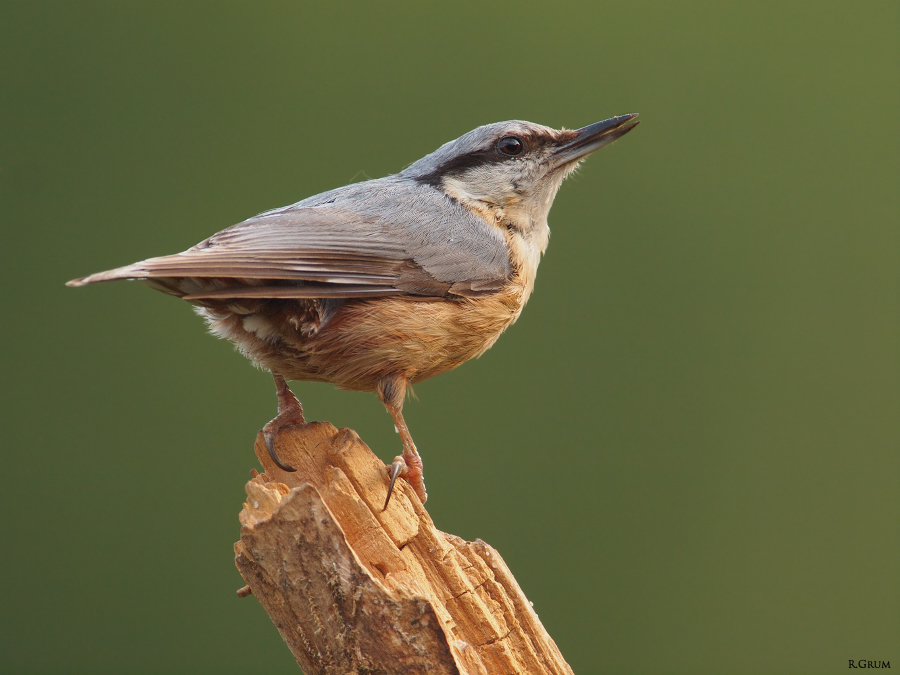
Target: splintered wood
x=354, y=589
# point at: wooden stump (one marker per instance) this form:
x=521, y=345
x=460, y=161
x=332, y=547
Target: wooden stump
x=354, y=589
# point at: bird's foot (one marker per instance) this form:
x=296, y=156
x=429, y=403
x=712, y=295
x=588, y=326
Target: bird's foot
x=410, y=469
x=290, y=412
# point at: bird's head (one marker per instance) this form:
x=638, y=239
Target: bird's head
x=509, y=172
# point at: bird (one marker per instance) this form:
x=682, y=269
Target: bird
x=381, y=284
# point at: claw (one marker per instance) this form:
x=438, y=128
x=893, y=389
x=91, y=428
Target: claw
x=290, y=412
x=398, y=467
x=270, y=446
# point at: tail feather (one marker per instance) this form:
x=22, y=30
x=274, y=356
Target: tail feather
x=128, y=272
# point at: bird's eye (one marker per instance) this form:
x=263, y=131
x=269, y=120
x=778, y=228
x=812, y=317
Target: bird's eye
x=510, y=145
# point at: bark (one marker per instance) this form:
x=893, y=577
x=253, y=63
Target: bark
x=354, y=589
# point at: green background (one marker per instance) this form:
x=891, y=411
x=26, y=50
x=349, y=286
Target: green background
x=686, y=449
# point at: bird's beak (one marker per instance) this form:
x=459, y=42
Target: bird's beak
x=593, y=137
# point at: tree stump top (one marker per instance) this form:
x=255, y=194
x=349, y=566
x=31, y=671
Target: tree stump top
x=356, y=589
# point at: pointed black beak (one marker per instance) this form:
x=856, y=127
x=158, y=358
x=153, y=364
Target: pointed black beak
x=593, y=137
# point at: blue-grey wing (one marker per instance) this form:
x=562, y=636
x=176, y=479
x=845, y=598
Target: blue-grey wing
x=390, y=236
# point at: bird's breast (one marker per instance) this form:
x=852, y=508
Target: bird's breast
x=418, y=339
x=366, y=340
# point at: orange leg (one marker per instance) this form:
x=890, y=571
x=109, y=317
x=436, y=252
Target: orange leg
x=289, y=412
x=392, y=391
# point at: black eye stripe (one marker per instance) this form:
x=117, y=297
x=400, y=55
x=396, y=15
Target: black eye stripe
x=486, y=156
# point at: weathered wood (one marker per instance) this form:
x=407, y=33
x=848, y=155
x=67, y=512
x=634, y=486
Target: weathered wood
x=354, y=589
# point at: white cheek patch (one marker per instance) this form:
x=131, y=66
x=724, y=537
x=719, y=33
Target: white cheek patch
x=484, y=184
x=462, y=192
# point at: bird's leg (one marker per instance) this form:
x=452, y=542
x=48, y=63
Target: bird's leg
x=289, y=412
x=392, y=390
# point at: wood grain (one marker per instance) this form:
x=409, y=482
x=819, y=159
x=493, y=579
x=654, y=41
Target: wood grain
x=354, y=589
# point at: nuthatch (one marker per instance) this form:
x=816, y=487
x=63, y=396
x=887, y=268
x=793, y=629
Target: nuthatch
x=387, y=282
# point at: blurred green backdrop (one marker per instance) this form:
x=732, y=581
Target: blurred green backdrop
x=686, y=449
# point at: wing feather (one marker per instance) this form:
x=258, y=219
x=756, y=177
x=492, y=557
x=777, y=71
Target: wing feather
x=381, y=237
